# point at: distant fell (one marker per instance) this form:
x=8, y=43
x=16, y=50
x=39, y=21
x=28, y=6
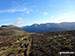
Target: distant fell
x=9, y=27
x=50, y=27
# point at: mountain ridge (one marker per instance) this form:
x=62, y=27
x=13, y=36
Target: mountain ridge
x=50, y=27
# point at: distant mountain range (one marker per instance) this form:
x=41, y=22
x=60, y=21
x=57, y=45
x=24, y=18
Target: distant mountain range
x=50, y=27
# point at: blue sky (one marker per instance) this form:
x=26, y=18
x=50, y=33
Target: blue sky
x=27, y=12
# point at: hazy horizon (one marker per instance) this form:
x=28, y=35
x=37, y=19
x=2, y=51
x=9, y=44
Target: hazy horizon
x=36, y=23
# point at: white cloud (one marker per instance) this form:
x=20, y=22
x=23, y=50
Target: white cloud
x=27, y=12
x=3, y=20
x=65, y=17
x=45, y=13
x=52, y=17
x=20, y=20
x=15, y=10
x=24, y=8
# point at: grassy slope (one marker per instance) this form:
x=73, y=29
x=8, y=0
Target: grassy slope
x=15, y=42
x=50, y=43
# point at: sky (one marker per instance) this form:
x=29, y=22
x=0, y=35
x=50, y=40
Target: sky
x=28, y=12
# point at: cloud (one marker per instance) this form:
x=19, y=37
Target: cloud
x=45, y=13
x=19, y=7
x=65, y=17
x=24, y=8
x=23, y=11
x=20, y=20
x=4, y=20
x=13, y=10
x=52, y=16
x=27, y=12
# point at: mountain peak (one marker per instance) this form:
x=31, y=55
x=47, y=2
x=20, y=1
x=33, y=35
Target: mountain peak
x=35, y=25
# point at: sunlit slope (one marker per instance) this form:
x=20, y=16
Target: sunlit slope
x=14, y=41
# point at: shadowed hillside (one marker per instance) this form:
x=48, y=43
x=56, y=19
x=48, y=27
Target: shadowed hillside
x=50, y=43
x=47, y=27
